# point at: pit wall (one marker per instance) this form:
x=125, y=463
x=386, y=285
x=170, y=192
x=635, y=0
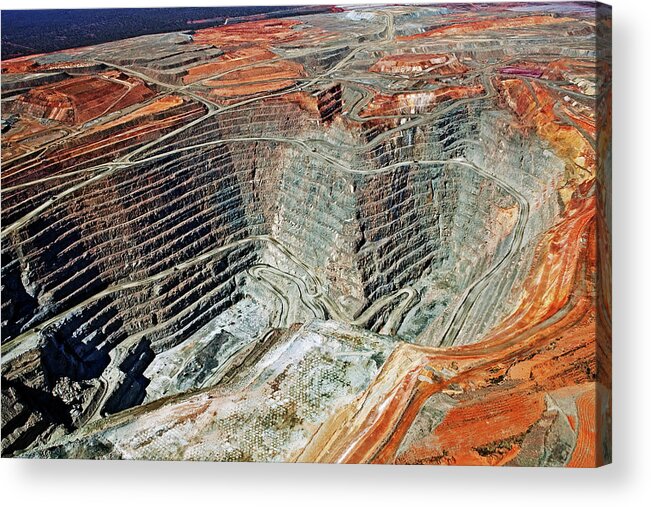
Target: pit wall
x=123, y=262
x=525, y=163
x=114, y=277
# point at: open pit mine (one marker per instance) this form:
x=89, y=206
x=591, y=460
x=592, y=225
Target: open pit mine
x=350, y=235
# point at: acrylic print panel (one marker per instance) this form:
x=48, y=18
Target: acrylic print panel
x=313, y=234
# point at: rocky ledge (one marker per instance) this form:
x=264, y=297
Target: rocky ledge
x=372, y=235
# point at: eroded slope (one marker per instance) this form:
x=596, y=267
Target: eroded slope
x=212, y=241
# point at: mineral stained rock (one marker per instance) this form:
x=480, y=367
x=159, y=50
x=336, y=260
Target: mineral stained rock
x=349, y=235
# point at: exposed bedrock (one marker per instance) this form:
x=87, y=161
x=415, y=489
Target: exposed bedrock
x=116, y=278
x=148, y=255
x=307, y=373
x=225, y=234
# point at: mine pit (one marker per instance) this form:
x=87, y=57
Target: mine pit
x=255, y=227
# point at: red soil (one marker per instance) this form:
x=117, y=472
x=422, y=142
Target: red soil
x=25, y=136
x=534, y=105
x=588, y=450
x=499, y=386
x=229, y=61
x=247, y=44
x=19, y=65
x=488, y=24
x=418, y=102
x=262, y=78
x=158, y=106
x=80, y=99
x=252, y=33
x=104, y=141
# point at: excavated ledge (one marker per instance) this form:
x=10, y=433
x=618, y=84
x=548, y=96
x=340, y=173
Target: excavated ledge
x=336, y=237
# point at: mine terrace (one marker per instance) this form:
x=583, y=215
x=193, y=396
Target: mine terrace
x=366, y=235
